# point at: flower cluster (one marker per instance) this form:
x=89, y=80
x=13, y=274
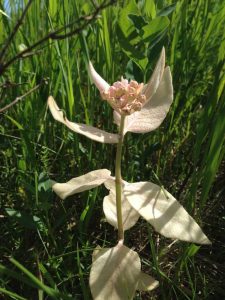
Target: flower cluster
x=125, y=97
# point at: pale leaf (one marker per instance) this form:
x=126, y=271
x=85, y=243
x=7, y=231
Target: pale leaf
x=153, y=112
x=81, y=183
x=146, y=283
x=99, y=82
x=151, y=87
x=115, y=273
x=89, y=131
x=98, y=251
x=163, y=212
x=129, y=215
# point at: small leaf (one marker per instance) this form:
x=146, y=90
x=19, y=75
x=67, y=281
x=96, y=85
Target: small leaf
x=138, y=21
x=24, y=219
x=146, y=283
x=164, y=212
x=115, y=273
x=129, y=215
x=81, y=183
x=89, y=131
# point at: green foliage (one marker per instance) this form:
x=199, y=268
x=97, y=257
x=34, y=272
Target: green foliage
x=48, y=241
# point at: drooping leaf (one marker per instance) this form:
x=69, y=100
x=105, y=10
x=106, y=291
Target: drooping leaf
x=163, y=212
x=81, y=183
x=115, y=273
x=89, y=131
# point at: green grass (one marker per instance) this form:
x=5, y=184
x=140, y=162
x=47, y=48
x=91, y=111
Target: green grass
x=46, y=244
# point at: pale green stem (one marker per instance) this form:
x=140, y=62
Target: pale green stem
x=119, y=181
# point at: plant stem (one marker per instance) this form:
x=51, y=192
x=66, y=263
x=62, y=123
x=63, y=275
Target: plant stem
x=119, y=181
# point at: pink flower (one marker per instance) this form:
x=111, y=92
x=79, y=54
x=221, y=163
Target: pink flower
x=145, y=106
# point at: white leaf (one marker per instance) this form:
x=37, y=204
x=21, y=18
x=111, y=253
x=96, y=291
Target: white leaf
x=115, y=273
x=100, y=83
x=98, y=251
x=110, y=183
x=81, y=183
x=146, y=283
x=149, y=90
x=89, y=131
x=154, y=111
x=129, y=215
x=164, y=212
x=151, y=87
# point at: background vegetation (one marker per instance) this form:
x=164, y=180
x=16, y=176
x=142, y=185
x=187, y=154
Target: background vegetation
x=45, y=243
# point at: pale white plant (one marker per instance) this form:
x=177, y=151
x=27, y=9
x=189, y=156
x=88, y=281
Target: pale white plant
x=116, y=272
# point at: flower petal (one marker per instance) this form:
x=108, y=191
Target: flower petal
x=81, y=183
x=146, y=283
x=151, y=87
x=89, y=131
x=154, y=112
x=100, y=83
x=164, y=212
x=115, y=273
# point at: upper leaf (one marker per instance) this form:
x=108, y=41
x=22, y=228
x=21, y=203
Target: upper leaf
x=89, y=131
x=163, y=212
x=81, y=183
x=154, y=111
x=153, y=84
x=159, y=96
x=100, y=83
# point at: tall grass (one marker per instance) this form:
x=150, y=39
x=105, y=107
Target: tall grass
x=46, y=244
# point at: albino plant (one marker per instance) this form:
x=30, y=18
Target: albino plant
x=116, y=272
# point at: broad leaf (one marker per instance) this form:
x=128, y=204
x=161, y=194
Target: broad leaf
x=154, y=28
x=154, y=86
x=154, y=111
x=163, y=212
x=81, y=183
x=89, y=131
x=115, y=273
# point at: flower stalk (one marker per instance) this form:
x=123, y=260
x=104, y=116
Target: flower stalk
x=118, y=180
